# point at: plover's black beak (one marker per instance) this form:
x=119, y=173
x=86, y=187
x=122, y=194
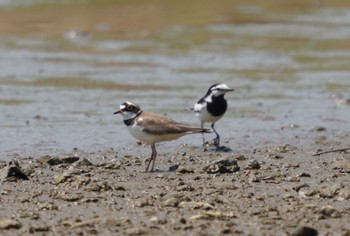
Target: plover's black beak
x=117, y=112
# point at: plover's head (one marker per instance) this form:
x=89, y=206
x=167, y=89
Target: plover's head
x=128, y=110
x=218, y=89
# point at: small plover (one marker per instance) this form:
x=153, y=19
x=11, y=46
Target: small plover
x=212, y=107
x=153, y=128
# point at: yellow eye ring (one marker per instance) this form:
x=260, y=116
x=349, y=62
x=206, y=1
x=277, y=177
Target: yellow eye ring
x=129, y=108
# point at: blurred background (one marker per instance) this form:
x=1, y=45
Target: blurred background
x=65, y=67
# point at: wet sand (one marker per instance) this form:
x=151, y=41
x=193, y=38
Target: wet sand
x=194, y=191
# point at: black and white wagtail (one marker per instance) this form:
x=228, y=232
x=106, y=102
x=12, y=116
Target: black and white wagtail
x=153, y=128
x=212, y=107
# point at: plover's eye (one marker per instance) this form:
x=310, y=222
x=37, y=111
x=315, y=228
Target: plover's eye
x=129, y=108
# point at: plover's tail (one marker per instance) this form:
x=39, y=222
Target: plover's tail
x=196, y=130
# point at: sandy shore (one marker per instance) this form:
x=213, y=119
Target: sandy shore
x=282, y=190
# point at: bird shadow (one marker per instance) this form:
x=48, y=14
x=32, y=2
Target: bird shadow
x=224, y=149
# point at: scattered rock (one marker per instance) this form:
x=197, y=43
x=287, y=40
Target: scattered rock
x=11, y=173
x=304, y=231
x=172, y=200
x=318, y=129
x=222, y=166
x=282, y=149
x=81, y=163
x=158, y=220
x=274, y=156
x=210, y=215
x=28, y=168
x=320, y=140
x=173, y=168
x=38, y=228
x=297, y=188
x=329, y=212
x=10, y=224
x=52, y=161
x=136, y=231
x=342, y=165
x=71, y=197
x=49, y=160
x=253, y=164
x=63, y=178
x=184, y=170
x=304, y=175
x=113, y=166
x=196, y=205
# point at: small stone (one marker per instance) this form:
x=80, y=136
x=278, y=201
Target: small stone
x=208, y=215
x=342, y=165
x=52, y=161
x=173, y=168
x=318, y=129
x=70, y=160
x=282, y=149
x=82, y=163
x=136, y=231
x=120, y=188
x=304, y=175
x=196, y=205
x=28, y=168
x=10, y=224
x=297, y=188
x=38, y=228
x=304, y=231
x=63, y=178
x=184, y=170
x=253, y=164
x=222, y=166
x=274, y=156
x=113, y=166
x=74, y=197
x=158, y=220
x=329, y=211
x=12, y=172
x=172, y=200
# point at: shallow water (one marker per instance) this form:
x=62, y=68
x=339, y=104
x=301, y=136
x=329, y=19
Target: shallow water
x=289, y=71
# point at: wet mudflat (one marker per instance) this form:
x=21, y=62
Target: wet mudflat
x=281, y=190
x=69, y=165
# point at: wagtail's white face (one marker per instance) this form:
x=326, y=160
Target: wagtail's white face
x=128, y=110
x=218, y=89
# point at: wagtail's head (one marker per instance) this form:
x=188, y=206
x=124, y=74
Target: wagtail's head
x=128, y=110
x=218, y=89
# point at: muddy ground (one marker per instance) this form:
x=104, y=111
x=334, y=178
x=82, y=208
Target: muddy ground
x=279, y=190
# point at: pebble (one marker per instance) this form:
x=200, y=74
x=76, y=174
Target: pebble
x=253, y=164
x=172, y=200
x=10, y=224
x=12, y=172
x=222, y=166
x=304, y=231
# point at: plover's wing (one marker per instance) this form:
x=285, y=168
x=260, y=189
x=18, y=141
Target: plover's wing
x=156, y=124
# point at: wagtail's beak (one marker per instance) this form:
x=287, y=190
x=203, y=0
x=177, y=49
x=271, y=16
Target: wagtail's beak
x=229, y=89
x=117, y=112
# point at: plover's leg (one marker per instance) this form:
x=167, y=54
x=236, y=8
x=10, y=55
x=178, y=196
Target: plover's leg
x=217, y=139
x=154, y=155
x=154, y=152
